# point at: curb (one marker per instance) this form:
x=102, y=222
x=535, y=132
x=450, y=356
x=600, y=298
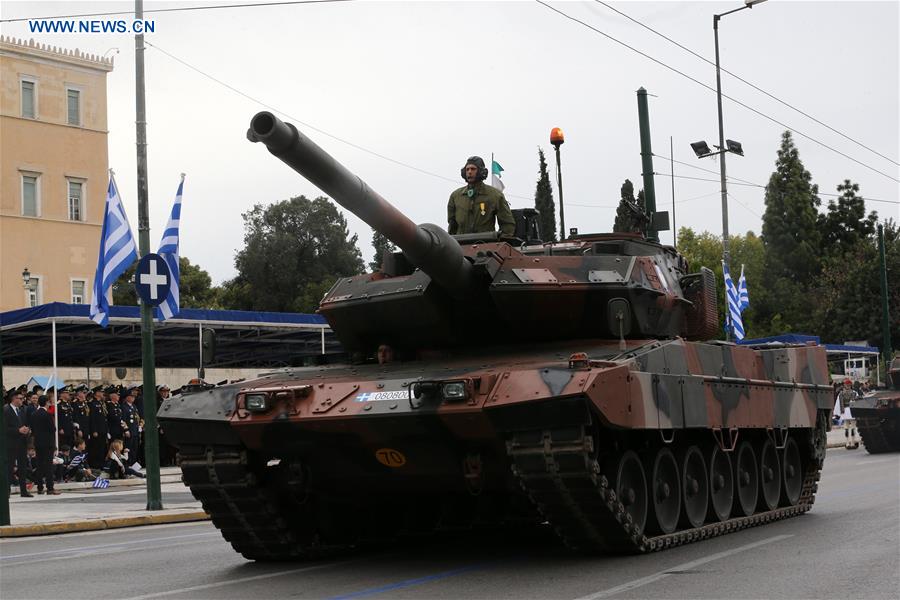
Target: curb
x=10, y=531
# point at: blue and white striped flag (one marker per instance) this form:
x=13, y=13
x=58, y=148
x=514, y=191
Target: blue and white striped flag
x=117, y=252
x=743, y=295
x=101, y=483
x=733, y=306
x=168, y=250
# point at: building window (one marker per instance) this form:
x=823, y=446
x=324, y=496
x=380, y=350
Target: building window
x=30, y=195
x=76, y=200
x=33, y=293
x=74, y=105
x=28, y=99
x=78, y=286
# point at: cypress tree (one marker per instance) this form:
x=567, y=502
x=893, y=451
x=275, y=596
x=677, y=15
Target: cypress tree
x=543, y=201
x=792, y=240
x=626, y=220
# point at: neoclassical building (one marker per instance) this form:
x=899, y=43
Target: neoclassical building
x=53, y=171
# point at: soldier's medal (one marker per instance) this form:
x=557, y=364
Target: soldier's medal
x=482, y=209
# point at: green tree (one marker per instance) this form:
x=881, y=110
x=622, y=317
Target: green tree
x=846, y=224
x=293, y=251
x=195, y=289
x=705, y=250
x=382, y=246
x=848, y=296
x=792, y=241
x=543, y=200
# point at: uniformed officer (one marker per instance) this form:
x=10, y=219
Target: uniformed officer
x=80, y=413
x=132, y=422
x=846, y=396
x=98, y=429
x=115, y=422
x=476, y=207
x=65, y=418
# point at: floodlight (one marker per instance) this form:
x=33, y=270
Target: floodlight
x=735, y=147
x=701, y=149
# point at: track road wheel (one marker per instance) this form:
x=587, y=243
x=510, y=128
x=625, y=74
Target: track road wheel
x=665, y=493
x=631, y=489
x=721, y=484
x=746, y=479
x=791, y=474
x=694, y=488
x=769, y=476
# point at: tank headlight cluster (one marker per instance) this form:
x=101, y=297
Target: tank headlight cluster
x=256, y=402
x=454, y=390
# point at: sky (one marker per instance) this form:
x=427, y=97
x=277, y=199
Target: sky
x=427, y=84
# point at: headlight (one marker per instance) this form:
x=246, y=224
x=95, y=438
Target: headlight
x=256, y=402
x=454, y=390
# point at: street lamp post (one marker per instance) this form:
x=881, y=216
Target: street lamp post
x=703, y=151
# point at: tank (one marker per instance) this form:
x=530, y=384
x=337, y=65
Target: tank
x=504, y=383
x=878, y=415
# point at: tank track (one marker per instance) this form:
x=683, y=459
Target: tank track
x=874, y=438
x=558, y=470
x=243, y=510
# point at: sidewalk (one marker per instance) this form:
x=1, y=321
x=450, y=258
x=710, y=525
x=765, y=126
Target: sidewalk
x=82, y=508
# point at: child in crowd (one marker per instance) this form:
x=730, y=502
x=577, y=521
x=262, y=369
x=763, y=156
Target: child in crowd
x=116, y=461
x=77, y=468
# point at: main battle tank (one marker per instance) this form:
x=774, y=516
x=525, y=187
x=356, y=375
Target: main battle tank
x=878, y=415
x=515, y=384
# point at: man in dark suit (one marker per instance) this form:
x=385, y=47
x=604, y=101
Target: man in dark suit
x=17, y=432
x=44, y=432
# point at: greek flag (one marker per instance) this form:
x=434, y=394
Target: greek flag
x=496, y=169
x=743, y=295
x=101, y=483
x=733, y=304
x=168, y=250
x=117, y=252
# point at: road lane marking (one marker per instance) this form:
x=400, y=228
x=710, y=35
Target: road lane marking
x=207, y=586
x=88, y=549
x=407, y=583
x=683, y=567
x=114, y=549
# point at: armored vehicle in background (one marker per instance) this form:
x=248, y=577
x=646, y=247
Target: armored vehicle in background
x=496, y=381
x=878, y=415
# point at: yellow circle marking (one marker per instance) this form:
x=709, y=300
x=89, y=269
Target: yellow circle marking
x=390, y=457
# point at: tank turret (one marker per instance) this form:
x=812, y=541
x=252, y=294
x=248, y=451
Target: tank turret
x=442, y=291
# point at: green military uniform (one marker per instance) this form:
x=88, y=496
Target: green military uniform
x=477, y=214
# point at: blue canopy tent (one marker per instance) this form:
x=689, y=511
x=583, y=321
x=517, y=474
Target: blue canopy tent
x=60, y=334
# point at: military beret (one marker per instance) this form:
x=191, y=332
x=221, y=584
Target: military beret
x=111, y=389
x=96, y=389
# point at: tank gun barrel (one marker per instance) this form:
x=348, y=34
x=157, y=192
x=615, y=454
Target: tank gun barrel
x=427, y=246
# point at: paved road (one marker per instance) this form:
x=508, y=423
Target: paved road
x=847, y=547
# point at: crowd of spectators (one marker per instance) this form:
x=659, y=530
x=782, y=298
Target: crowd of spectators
x=76, y=433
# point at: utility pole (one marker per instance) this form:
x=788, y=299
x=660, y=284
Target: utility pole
x=886, y=350
x=672, y=173
x=151, y=438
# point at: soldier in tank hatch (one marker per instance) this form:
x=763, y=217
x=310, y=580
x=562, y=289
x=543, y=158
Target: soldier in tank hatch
x=478, y=207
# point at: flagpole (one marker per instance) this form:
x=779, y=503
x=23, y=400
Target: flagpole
x=151, y=446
